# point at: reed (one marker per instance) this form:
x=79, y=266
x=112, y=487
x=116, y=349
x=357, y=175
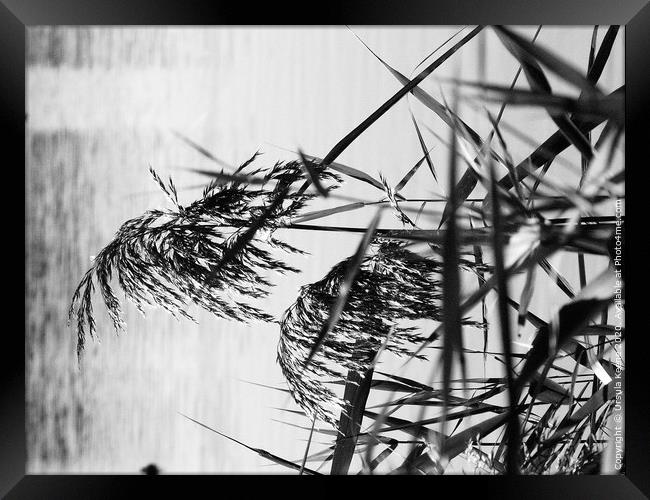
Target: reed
x=215, y=251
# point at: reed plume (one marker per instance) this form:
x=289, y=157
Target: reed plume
x=213, y=253
x=393, y=285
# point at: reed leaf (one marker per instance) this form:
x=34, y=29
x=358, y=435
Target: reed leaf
x=261, y=452
x=343, y=144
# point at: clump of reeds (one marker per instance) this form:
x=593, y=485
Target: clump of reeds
x=393, y=284
x=213, y=252
x=553, y=420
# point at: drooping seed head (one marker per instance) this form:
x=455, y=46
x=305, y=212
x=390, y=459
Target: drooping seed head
x=392, y=286
x=171, y=258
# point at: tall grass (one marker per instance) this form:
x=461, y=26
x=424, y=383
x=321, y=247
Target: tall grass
x=558, y=396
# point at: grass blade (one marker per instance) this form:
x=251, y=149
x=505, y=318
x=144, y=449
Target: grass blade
x=512, y=431
x=526, y=296
x=606, y=106
x=319, y=214
x=456, y=444
x=571, y=319
x=593, y=404
x=469, y=178
x=552, y=147
x=202, y=150
x=480, y=276
x=343, y=144
x=226, y=178
x=304, y=459
x=347, y=170
x=386, y=452
x=533, y=53
x=424, y=147
x=445, y=114
x=312, y=174
x=259, y=451
x=453, y=340
x=407, y=177
x=596, y=68
x=557, y=278
x=539, y=83
x=557, y=143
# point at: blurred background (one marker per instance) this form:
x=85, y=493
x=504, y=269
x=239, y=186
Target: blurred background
x=103, y=104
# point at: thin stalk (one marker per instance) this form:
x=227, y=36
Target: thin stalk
x=513, y=433
x=357, y=388
x=304, y=459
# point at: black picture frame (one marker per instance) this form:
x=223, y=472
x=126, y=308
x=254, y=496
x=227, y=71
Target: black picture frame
x=17, y=15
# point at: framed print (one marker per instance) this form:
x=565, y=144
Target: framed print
x=377, y=240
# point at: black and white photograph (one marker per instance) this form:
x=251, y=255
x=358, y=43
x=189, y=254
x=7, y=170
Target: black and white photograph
x=325, y=250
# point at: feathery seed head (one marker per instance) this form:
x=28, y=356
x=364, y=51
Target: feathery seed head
x=170, y=258
x=392, y=285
